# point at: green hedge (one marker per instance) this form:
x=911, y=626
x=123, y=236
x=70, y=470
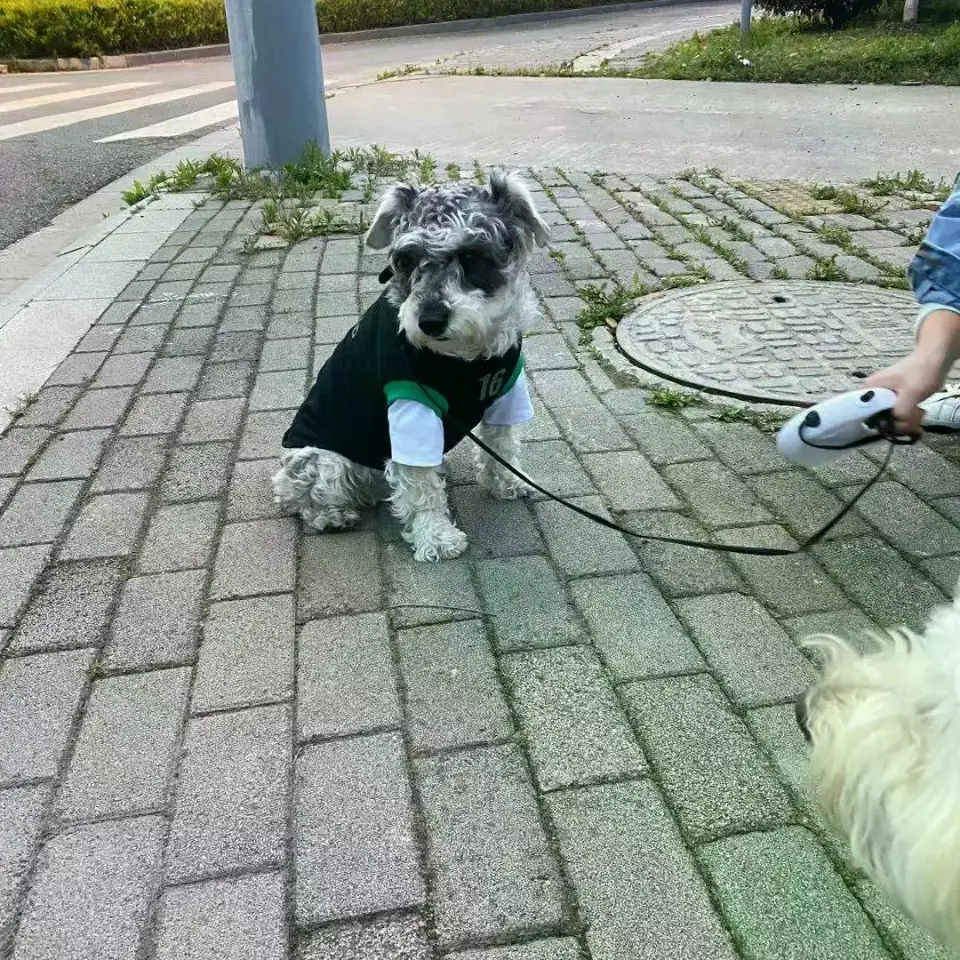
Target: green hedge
x=83, y=28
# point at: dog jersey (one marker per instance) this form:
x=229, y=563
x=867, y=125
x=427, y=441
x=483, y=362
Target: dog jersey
x=379, y=397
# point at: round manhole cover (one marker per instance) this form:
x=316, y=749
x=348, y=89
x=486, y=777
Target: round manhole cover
x=790, y=341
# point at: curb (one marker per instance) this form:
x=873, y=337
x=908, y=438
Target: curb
x=125, y=60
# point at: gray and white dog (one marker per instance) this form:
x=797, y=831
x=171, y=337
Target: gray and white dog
x=438, y=354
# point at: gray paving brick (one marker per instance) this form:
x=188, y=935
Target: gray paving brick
x=78, y=368
x=71, y=456
x=715, y=495
x=664, y=438
x=742, y=447
x=99, y=408
x=635, y=631
x=243, y=918
x=579, y=546
x=346, y=677
x=445, y=589
x=262, y=434
x=19, y=446
x=21, y=822
x=99, y=339
x=907, y=522
x=287, y=326
x=278, y=391
x=398, y=937
x=172, y=375
x=678, y=570
x=752, y=657
x=224, y=380
x=127, y=748
x=333, y=329
x=92, y=893
x=141, y=339
x=180, y=537
x=943, y=571
x=880, y=581
x=247, y=654
x=590, y=428
x=212, y=420
x=850, y=623
x=48, y=408
x=19, y=569
x=819, y=918
x=555, y=948
x=154, y=313
x=244, y=318
x=107, y=526
x=132, y=463
x=71, y=607
x=198, y=472
x=787, y=585
x=575, y=730
x=354, y=835
x=495, y=528
x=7, y=486
x=527, y=604
x=158, y=621
x=923, y=470
x=551, y=463
x=559, y=388
x=704, y=758
x=125, y=370
x=188, y=342
x=638, y=890
x=494, y=874
x=453, y=696
x=803, y=505
x=251, y=491
x=38, y=512
x=628, y=482
x=235, y=346
x=285, y=355
x=547, y=352
x=338, y=574
x=155, y=414
x=232, y=794
x=39, y=697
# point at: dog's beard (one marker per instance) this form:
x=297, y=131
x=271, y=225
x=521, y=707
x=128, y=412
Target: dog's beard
x=480, y=325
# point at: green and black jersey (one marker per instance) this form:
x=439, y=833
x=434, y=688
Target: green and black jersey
x=374, y=366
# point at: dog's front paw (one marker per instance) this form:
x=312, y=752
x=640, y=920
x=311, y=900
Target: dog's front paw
x=503, y=485
x=435, y=538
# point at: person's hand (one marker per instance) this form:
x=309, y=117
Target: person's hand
x=913, y=380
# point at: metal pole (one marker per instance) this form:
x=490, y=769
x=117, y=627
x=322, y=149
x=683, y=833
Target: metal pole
x=275, y=47
x=746, y=8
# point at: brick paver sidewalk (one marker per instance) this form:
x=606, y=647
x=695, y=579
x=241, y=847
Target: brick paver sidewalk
x=221, y=738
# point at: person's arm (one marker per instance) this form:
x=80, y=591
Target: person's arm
x=923, y=372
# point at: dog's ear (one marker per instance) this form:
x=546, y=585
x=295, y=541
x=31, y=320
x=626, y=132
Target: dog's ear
x=510, y=192
x=395, y=203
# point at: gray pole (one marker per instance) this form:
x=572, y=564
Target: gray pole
x=275, y=46
x=746, y=7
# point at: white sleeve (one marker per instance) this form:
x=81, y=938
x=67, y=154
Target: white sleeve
x=513, y=408
x=416, y=434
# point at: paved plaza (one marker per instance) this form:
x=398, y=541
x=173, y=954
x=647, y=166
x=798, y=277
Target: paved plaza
x=225, y=739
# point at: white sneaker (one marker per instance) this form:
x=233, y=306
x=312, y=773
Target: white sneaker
x=942, y=410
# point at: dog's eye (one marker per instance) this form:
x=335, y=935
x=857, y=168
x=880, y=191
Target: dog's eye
x=480, y=270
x=406, y=261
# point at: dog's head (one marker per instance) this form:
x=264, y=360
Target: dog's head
x=883, y=722
x=459, y=255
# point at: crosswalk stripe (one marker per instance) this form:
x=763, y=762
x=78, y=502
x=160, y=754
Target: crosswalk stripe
x=28, y=86
x=55, y=120
x=176, y=126
x=80, y=93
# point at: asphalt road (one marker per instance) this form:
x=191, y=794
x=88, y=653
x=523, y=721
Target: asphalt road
x=44, y=171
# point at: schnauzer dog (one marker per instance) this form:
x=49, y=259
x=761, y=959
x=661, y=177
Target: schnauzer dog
x=437, y=355
x=884, y=726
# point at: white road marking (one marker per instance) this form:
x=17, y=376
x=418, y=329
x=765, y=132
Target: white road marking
x=78, y=93
x=29, y=86
x=176, y=126
x=53, y=121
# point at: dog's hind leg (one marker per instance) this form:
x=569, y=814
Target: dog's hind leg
x=494, y=477
x=418, y=499
x=324, y=488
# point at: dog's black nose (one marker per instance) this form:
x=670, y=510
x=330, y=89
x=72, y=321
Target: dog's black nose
x=434, y=318
x=801, y=711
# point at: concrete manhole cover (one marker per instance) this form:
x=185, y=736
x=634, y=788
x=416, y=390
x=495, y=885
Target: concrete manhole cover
x=790, y=341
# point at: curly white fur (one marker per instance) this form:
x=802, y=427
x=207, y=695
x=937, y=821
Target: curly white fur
x=885, y=730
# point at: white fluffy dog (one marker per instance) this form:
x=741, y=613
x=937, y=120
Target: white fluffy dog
x=437, y=355
x=884, y=725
